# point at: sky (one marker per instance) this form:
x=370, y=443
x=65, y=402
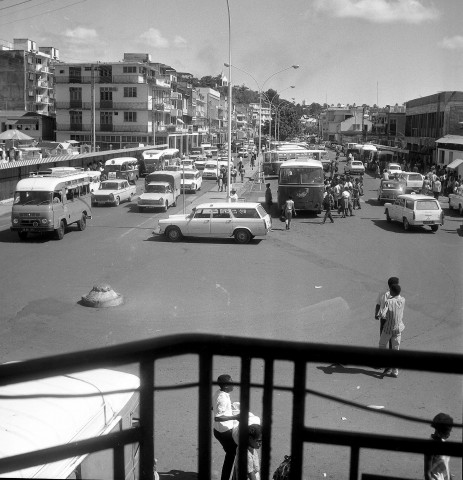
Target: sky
x=349, y=51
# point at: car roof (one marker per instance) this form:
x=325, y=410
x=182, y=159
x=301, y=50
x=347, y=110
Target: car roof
x=411, y=196
x=228, y=205
x=115, y=180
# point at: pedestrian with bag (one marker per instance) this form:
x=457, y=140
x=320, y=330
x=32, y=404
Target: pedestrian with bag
x=381, y=302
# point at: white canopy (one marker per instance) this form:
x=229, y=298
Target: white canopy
x=455, y=164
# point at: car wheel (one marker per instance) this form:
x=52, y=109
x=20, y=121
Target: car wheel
x=173, y=234
x=22, y=235
x=388, y=217
x=166, y=206
x=117, y=201
x=59, y=232
x=460, y=209
x=82, y=223
x=141, y=209
x=434, y=228
x=406, y=224
x=242, y=236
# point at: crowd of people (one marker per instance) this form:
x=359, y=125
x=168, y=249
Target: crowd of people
x=342, y=193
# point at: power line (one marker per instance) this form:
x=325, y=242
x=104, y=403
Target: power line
x=42, y=13
x=16, y=4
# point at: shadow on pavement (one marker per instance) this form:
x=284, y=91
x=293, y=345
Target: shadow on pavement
x=338, y=368
x=398, y=228
x=178, y=475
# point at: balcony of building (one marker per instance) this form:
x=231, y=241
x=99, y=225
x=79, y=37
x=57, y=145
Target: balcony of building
x=107, y=79
x=203, y=350
x=115, y=128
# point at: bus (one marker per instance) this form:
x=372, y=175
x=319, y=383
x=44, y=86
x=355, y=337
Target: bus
x=304, y=182
x=123, y=167
x=63, y=409
x=51, y=202
x=154, y=160
x=274, y=158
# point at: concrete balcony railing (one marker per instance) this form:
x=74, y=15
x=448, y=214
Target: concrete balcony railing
x=108, y=105
x=87, y=127
x=204, y=350
x=104, y=79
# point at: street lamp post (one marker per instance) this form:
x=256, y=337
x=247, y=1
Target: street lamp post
x=260, y=88
x=230, y=104
x=271, y=103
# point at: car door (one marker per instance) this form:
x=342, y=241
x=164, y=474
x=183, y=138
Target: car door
x=396, y=209
x=221, y=222
x=124, y=190
x=200, y=224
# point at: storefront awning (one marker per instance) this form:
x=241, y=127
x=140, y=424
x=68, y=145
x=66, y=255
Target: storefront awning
x=455, y=164
x=455, y=139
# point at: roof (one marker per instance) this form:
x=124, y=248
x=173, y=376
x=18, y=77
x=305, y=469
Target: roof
x=228, y=205
x=48, y=183
x=455, y=139
x=411, y=196
x=120, y=160
x=303, y=162
x=30, y=424
x=455, y=164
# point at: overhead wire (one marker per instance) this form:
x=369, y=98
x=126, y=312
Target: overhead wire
x=43, y=13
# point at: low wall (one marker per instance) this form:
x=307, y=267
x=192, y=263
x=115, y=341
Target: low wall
x=12, y=172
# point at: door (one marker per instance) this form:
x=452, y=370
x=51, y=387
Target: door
x=221, y=222
x=200, y=224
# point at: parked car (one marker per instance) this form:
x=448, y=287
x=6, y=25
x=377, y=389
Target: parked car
x=200, y=162
x=389, y=190
x=113, y=192
x=411, y=181
x=241, y=220
x=243, y=152
x=354, y=167
x=415, y=210
x=456, y=201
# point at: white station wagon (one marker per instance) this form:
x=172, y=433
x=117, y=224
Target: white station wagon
x=413, y=210
x=113, y=192
x=242, y=220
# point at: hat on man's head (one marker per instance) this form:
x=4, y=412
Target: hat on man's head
x=233, y=190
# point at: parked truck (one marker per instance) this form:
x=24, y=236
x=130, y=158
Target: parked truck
x=162, y=190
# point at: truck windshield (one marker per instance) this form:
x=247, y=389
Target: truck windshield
x=32, y=198
x=113, y=168
x=155, y=189
x=109, y=186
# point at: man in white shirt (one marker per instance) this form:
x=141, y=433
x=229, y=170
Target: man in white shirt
x=223, y=423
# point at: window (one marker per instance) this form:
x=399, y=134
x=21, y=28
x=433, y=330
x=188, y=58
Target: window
x=130, y=116
x=427, y=205
x=75, y=118
x=75, y=93
x=245, y=213
x=130, y=91
x=129, y=69
x=106, y=93
x=203, y=213
x=221, y=213
x=106, y=118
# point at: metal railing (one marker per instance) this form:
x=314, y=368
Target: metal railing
x=146, y=353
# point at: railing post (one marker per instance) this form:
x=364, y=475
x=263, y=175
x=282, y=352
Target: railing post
x=354, y=463
x=243, y=437
x=147, y=419
x=204, y=416
x=298, y=420
x=267, y=401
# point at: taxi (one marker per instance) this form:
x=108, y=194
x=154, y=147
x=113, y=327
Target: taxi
x=354, y=167
x=415, y=210
x=241, y=220
x=113, y=192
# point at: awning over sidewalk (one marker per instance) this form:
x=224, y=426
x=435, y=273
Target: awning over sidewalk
x=455, y=139
x=455, y=164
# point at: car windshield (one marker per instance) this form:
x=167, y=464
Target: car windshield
x=155, y=189
x=109, y=186
x=113, y=168
x=415, y=177
x=32, y=198
x=211, y=165
x=357, y=164
x=390, y=185
x=188, y=176
x=427, y=205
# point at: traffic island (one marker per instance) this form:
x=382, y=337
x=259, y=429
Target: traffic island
x=102, y=295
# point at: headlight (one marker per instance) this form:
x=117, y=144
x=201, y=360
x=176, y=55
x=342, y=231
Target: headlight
x=44, y=221
x=15, y=220
x=161, y=200
x=400, y=189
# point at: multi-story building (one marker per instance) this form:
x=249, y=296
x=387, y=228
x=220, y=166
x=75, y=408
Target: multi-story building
x=389, y=126
x=213, y=112
x=110, y=105
x=331, y=119
x=427, y=120
x=27, y=77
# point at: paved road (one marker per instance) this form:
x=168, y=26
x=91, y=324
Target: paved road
x=315, y=282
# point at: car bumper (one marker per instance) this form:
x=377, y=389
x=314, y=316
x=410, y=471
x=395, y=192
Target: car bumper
x=33, y=229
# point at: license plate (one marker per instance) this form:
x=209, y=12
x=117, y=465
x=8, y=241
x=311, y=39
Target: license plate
x=428, y=222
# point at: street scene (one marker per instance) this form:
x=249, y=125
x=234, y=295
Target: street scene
x=138, y=201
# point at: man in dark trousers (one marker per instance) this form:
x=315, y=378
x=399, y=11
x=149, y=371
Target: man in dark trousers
x=223, y=423
x=328, y=202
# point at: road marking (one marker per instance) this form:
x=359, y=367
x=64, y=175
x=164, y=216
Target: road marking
x=136, y=228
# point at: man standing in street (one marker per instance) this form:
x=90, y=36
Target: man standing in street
x=328, y=203
x=381, y=302
x=393, y=326
x=268, y=198
x=223, y=423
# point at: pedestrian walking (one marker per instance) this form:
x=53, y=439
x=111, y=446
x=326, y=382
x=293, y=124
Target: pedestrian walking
x=393, y=326
x=223, y=423
x=436, y=188
x=220, y=181
x=253, y=462
x=356, y=194
x=289, y=211
x=253, y=160
x=242, y=172
x=436, y=467
x=234, y=173
x=268, y=198
x=328, y=202
x=381, y=302
x=345, y=203
x=233, y=195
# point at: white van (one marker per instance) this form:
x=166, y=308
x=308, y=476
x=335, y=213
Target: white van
x=32, y=424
